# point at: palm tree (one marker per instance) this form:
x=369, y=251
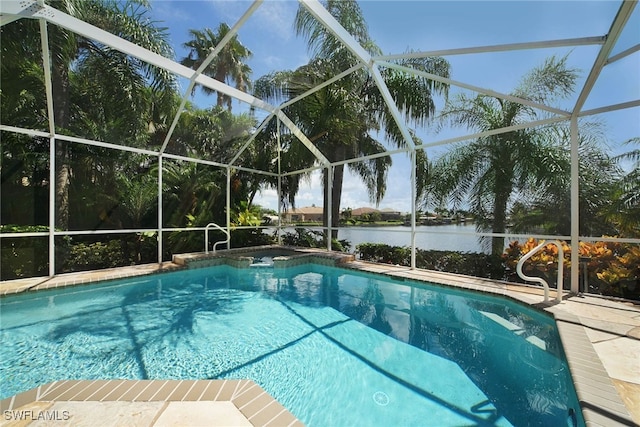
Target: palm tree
x=227, y=66
x=488, y=171
x=548, y=210
x=625, y=211
x=191, y=192
x=75, y=60
x=137, y=198
x=22, y=76
x=340, y=118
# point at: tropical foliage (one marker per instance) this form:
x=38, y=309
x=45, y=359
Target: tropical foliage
x=488, y=171
x=228, y=66
x=606, y=268
x=547, y=209
x=624, y=212
x=472, y=264
x=101, y=94
x=340, y=118
x=514, y=181
x=612, y=268
x=313, y=239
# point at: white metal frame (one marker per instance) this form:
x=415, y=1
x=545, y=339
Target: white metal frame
x=540, y=280
x=11, y=10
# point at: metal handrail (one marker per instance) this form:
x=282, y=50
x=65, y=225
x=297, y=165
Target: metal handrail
x=206, y=237
x=540, y=280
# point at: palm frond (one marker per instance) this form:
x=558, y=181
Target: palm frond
x=548, y=82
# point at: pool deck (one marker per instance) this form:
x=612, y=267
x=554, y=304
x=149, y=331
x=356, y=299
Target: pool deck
x=155, y=403
x=601, y=339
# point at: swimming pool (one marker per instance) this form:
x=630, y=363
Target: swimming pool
x=334, y=346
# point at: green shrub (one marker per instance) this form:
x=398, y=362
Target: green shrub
x=94, y=256
x=126, y=250
x=313, y=239
x=28, y=256
x=250, y=237
x=472, y=264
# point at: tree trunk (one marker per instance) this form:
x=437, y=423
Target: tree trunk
x=336, y=192
x=60, y=90
x=499, y=224
x=336, y=196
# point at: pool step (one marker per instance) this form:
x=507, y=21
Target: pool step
x=515, y=329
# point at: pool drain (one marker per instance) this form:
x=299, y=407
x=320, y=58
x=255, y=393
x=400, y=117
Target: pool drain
x=381, y=398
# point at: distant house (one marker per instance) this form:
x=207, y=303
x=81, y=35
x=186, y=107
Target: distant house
x=388, y=214
x=306, y=214
x=358, y=212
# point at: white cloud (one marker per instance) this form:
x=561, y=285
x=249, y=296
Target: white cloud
x=310, y=192
x=272, y=17
x=277, y=17
x=267, y=198
x=227, y=11
x=169, y=10
x=354, y=192
x=282, y=61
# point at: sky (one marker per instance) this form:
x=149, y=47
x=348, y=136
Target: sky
x=399, y=26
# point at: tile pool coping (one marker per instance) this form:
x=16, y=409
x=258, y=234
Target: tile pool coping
x=599, y=398
x=150, y=402
x=240, y=257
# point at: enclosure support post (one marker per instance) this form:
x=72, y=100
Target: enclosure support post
x=329, y=206
x=279, y=229
x=229, y=207
x=46, y=64
x=160, y=249
x=52, y=206
x=413, y=209
x=575, y=207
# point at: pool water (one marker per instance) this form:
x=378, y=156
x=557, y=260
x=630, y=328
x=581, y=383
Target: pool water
x=336, y=347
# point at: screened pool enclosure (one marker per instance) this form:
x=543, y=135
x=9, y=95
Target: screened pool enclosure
x=250, y=161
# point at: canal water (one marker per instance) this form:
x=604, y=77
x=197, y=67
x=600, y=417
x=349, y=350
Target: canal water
x=451, y=237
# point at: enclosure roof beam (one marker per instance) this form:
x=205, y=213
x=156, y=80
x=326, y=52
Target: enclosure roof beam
x=214, y=163
x=440, y=142
x=84, y=141
x=332, y=24
x=608, y=108
x=251, y=138
x=583, y=41
x=476, y=88
x=393, y=107
x=214, y=52
x=322, y=85
x=618, y=24
x=305, y=170
x=477, y=135
x=7, y=19
x=302, y=137
x=77, y=26
x=623, y=54
x=111, y=146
